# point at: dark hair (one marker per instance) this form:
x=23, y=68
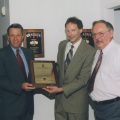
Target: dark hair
x=76, y=21
x=108, y=24
x=15, y=25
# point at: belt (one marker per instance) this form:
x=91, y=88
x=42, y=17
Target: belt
x=107, y=101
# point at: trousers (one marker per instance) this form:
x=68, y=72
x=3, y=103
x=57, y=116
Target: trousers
x=109, y=111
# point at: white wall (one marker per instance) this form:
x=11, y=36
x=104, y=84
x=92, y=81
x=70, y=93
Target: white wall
x=117, y=25
x=51, y=15
x=107, y=9
x=108, y=13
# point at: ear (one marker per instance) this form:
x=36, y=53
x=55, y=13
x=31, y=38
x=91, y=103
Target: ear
x=23, y=38
x=111, y=33
x=8, y=38
x=81, y=30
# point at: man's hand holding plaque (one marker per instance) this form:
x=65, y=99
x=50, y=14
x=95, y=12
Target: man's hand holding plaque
x=53, y=89
x=27, y=86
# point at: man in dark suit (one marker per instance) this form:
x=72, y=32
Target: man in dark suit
x=16, y=90
x=71, y=102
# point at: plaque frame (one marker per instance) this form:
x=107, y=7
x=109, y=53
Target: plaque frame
x=34, y=40
x=87, y=36
x=42, y=81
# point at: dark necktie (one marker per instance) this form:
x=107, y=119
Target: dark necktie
x=68, y=58
x=93, y=75
x=21, y=64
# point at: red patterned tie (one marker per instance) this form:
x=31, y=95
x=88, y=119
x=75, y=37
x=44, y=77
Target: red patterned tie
x=21, y=64
x=95, y=70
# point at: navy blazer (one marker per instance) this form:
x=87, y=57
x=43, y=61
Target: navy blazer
x=14, y=102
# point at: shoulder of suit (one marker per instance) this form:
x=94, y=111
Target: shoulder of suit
x=6, y=48
x=88, y=47
x=63, y=43
x=5, y=51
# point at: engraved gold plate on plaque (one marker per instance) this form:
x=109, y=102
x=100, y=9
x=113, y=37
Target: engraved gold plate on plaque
x=43, y=73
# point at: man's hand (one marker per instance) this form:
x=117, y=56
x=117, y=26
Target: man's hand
x=53, y=89
x=27, y=86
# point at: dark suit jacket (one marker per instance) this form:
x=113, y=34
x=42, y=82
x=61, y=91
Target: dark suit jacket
x=74, y=81
x=14, y=102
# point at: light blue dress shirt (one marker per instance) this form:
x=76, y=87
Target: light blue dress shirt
x=23, y=58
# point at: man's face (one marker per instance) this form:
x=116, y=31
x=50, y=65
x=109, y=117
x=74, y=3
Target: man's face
x=15, y=37
x=72, y=32
x=102, y=35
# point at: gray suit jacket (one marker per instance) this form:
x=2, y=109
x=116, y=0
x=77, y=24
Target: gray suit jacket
x=74, y=99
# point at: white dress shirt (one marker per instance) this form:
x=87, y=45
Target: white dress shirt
x=107, y=81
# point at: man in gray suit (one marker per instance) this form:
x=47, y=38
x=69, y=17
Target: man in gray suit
x=71, y=101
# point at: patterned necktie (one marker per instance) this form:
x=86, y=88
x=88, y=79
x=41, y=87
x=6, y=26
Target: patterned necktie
x=21, y=64
x=93, y=75
x=68, y=58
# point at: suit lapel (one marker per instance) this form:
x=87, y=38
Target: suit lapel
x=76, y=58
x=11, y=61
x=62, y=56
x=11, y=56
x=25, y=54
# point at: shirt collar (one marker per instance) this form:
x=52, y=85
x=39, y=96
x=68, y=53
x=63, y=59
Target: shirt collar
x=108, y=47
x=75, y=45
x=14, y=50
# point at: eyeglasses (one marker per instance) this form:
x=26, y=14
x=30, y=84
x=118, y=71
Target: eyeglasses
x=99, y=34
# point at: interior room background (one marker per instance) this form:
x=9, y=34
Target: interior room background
x=51, y=16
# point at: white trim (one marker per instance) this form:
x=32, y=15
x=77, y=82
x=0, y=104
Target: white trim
x=114, y=5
